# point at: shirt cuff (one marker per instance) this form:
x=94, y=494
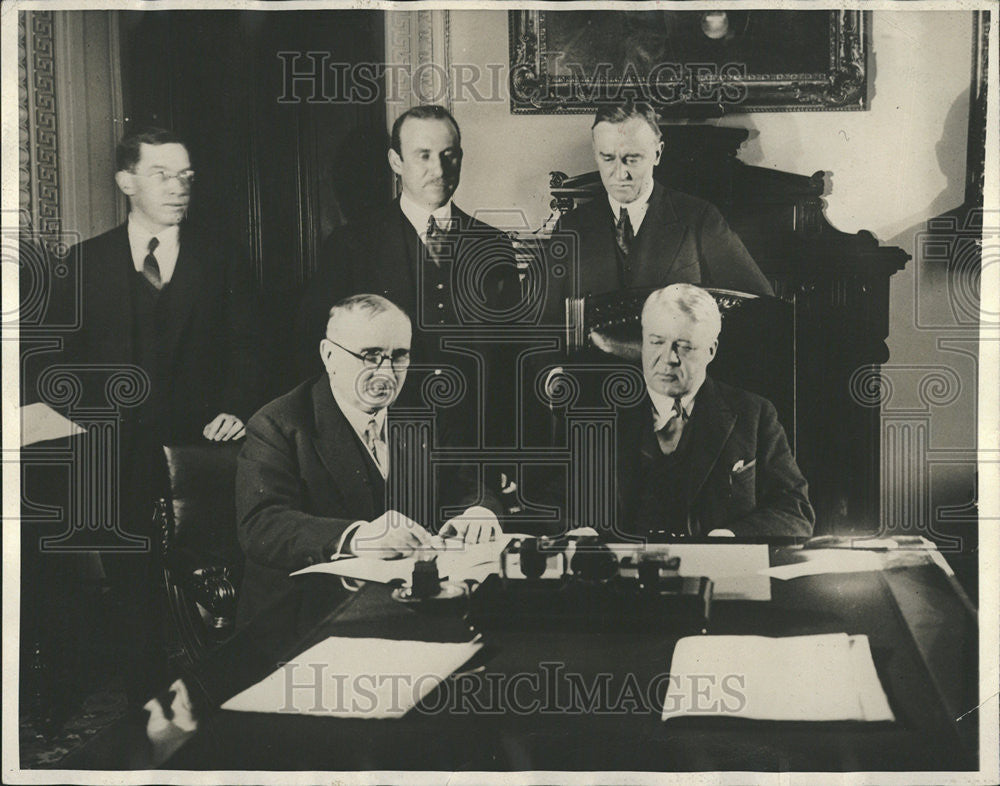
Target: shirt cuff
x=482, y=513
x=345, y=539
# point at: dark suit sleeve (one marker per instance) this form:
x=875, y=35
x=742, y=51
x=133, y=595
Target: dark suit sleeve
x=724, y=258
x=782, y=493
x=272, y=527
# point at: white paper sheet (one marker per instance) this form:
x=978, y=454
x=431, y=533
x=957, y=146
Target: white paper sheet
x=39, y=422
x=734, y=568
x=457, y=562
x=827, y=677
x=819, y=561
x=355, y=678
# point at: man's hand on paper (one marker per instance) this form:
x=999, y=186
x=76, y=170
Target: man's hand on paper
x=389, y=536
x=476, y=525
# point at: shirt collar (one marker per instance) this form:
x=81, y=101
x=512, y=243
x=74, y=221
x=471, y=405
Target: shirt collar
x=358, y=418
x=637, y=207
x=663, y=406
x=139, y=235
x=417, y=214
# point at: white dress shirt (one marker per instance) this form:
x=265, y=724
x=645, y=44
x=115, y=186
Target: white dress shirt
x=637, y=208
x=359, y=420
x=663, y=406
x=417, y=215
x=165, y=253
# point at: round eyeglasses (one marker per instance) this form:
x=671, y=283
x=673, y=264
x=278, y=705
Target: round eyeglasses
x=374, y=358
x=161, y=177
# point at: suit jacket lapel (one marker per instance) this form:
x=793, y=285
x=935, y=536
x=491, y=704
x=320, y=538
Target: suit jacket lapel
x=598, y=251
x=659, y=239
x=460, y=220
x=714, y=421
x=401, y=242
x=337, y=445
x=631, y=422
x=186, y=286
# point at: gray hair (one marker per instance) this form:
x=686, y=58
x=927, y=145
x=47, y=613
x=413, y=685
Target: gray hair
x=688, y=299
x=371, y=305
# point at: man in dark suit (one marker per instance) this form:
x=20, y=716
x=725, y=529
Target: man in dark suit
x=454, y=275
x=178, y=304
x=639, y=233
x=171, y=299
x=696, y=457
x=314, y=479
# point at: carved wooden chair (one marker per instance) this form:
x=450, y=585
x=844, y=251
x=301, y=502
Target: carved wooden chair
x=757, y=347
x=201, y=558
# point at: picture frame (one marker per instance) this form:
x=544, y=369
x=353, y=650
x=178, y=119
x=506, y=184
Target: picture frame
x=689, y=63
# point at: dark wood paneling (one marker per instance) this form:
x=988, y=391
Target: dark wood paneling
x=275, y=176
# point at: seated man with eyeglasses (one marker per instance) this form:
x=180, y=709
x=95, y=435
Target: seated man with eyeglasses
x=323, y=472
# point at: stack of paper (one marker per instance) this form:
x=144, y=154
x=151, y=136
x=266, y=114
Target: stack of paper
x=828, y=677
x=818, y=561
x=355, y=678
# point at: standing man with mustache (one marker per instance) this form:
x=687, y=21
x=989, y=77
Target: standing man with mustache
x=453, y=275
x=178, y=303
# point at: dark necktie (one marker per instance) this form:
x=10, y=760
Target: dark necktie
x=150, y=267
x=670, y=434
x=624, y=237
x=435, y=241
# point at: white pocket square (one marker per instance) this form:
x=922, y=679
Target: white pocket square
x=741, y=466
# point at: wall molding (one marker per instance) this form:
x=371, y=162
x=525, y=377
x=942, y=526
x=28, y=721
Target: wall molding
x=38, y=143
x=88, y=90
x=418, y=45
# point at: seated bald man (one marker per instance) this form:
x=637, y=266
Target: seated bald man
x=314, y=480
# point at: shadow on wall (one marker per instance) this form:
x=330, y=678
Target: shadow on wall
x=950, y=150
x=934, y=365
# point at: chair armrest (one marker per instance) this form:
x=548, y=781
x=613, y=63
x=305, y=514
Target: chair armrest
x=212, y=589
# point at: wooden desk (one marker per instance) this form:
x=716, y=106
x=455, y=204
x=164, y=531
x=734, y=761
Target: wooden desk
x=924, y=644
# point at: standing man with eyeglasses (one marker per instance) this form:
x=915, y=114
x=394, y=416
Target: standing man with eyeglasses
x=178, y=303
x=172, y=299
x=318, y=475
